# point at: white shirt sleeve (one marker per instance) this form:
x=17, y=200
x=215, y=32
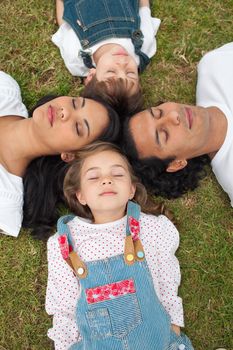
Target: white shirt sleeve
x=149, y=27
x=10, y=97
x=169, y=271
x=61, y=298
x=163, y=241
x=68, y=43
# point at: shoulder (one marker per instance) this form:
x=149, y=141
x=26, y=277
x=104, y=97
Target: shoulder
x=160, y=230
x=10, y=101
x=160, y=221
x=9, y=86
x=220, y=54
x=53, y=249
x=7, y=80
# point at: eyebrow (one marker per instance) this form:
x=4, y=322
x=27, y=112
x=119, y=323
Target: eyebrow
x=151, y=111
x=157, y=140
x=113, y=166
x=85, y=121
x=88, y=126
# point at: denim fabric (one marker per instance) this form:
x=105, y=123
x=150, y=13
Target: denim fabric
x=131, y=322
x=96, y=20
x=136, y=321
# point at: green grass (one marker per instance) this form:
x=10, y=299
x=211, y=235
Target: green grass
x=205, y=220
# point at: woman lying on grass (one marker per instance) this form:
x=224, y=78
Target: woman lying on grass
x=58, y=126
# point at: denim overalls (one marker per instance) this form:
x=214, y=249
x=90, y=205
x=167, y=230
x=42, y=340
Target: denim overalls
x=118, y=307
x=97, y=20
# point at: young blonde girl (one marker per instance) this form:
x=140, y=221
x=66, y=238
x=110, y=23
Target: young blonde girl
x=112, y=273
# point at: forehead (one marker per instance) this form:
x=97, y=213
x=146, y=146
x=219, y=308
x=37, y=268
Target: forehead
x=103, y=159
x=143, y=133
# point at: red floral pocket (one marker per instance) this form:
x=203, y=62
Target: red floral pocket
x=110, y=291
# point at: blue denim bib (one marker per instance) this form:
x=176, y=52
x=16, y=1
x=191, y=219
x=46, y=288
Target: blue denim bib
x=97, y=20
x=135, y=320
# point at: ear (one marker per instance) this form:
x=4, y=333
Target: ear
x=176, y=164
x=90, y=75
x=133, y=190
x=67, y=156
x=80, y=198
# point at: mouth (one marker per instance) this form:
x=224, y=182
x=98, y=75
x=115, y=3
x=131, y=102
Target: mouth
x=189, y=116
x=121, y=52
x=107, y=193
x=51, y=115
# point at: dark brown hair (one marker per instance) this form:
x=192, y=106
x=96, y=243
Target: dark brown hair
x=117, y=93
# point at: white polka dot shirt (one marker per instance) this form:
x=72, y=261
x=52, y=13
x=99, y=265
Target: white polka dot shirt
x=160, y=240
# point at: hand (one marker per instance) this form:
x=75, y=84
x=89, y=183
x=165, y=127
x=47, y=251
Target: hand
x=144, y=3
x=176, y=329
x=59, y=11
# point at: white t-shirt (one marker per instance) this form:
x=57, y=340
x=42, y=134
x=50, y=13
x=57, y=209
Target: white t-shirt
x=160, y=240
x=215, y=88
x=11, y=186
x=68, y=43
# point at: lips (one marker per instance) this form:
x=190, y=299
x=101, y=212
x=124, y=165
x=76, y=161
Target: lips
x=107, y=193
x=51, y=115
x=121, y=52
x=189, y=115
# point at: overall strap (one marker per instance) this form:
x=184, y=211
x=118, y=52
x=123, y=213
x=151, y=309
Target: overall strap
x=137, y=40
x=63, y=228
x=133, y=246
x=67, y=247
x=87, y=60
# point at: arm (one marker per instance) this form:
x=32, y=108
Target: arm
x=160, y=240
x=59, y=11
x=143, y=3
x=176, y=329
x=149, y=26
x=61, y=298
x=169, y=272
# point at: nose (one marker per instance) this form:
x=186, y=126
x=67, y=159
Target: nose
x=63, y=114
x=173, y=117
x=106, y=181
x=121, y=75
x=122, y=61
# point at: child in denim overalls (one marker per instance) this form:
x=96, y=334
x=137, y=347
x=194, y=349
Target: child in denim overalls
x=112, y=279
x=105, y=38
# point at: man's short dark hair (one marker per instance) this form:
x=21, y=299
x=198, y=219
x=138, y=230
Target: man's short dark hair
x=153, y=174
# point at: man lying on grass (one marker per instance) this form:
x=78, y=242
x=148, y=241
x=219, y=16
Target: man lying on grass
x=170, y=144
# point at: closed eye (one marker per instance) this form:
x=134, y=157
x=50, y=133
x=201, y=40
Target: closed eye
x=74, y=103
x=132, y=75
x=77, y=129
x=161, y=137
x=157, y=113
x=166, y=134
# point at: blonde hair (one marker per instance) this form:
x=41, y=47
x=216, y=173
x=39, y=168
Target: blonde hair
x=72, y=182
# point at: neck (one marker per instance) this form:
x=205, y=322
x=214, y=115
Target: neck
x=19, y=143
x=218, y=130
x=108, y=216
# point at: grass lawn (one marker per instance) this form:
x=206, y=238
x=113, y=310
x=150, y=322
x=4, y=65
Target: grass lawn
x=205, y=220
